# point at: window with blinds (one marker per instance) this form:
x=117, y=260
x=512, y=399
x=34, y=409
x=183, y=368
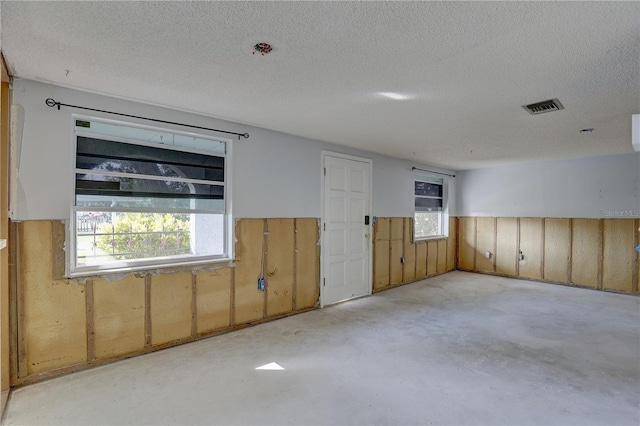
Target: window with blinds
x=147, y=197
x=428, y=207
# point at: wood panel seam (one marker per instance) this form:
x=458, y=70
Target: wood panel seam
x=91, y=333
x=147, y=310
x=600, y=253
x=194, y=304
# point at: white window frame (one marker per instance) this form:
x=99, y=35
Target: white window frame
x=444, y=214
x=72, y=270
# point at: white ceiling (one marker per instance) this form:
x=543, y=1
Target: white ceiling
x=467, y=67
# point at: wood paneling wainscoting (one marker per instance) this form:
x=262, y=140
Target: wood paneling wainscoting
x=591, y=253
x=397, y=259
x=62, y=325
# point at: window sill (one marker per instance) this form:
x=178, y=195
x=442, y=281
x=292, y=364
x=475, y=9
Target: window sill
x=164, y=268
x=434, y=238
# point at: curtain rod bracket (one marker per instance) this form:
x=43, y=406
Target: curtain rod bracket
x=50, y=102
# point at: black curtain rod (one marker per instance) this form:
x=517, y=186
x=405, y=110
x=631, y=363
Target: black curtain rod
x=431, y=171
x=52, y=103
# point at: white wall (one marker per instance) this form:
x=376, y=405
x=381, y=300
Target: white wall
x=583, y=188
x=274, y=174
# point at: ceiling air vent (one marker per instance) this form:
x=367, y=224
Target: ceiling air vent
x=544, y=106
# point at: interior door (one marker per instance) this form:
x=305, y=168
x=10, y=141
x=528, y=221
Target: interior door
x=346, y=229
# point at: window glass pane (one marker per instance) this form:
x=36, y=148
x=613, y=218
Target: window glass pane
x=215, y=174
x=170, y=203
x=428, y=189
x=151, y=135
x=428, y=204
x=174, y=199
x=112, y=237
x=427, y=224
x=117, y=185
x=429, y=179
x=97, y=154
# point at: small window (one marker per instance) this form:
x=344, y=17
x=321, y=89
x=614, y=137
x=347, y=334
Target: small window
x=429, y=216
x=147, y=197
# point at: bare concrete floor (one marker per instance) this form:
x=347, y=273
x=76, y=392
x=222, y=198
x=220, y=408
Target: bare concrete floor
x=456, y=349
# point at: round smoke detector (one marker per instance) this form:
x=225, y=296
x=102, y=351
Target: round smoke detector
x=262, y=48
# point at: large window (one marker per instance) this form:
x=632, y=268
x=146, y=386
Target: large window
x=147, y=197
x=429, y=215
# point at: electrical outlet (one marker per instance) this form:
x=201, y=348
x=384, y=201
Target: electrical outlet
x=262, y=284
x=487, y=254
x=402, y=259
x=520, y=256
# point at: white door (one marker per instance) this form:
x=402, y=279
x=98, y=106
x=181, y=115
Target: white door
x=346, y=229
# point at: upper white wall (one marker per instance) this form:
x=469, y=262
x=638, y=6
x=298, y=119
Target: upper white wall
x=274, y=174
x=583, y=188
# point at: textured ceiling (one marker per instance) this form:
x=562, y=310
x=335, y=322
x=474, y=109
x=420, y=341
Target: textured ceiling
x=467, y=68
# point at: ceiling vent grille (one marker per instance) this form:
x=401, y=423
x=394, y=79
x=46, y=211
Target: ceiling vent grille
x=544, y=106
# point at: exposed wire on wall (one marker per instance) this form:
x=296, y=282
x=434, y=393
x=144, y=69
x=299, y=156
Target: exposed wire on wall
x=53, y=103
x=431, y=171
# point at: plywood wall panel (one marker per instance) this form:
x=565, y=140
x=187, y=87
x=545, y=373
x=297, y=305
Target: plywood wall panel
x=307, y=263
x=280, y=265
x=396, y=228
x=381, y=229
x=213, y=299
x=55, y=318
x=585, y=252
x=506, y=245
x=118, y=316
x=485, y=242
x=531, y=245
x=557, y=249
x=171, y=297
x=421, y=260
x=441, y=265
x=619, y=254
x=395, y=263
x=432, y=257
x=409, y=252
x=467, y=243
x=451, y=245
x=248, y=300
x=637, y=243
x=381, y=262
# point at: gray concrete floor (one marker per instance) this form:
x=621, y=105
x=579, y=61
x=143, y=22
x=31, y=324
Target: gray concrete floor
x=460, y=348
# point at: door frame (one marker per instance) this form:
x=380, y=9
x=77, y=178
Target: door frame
x=369, y=161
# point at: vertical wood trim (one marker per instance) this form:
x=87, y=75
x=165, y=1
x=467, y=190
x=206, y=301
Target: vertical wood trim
x=194, y=305
x=447, y=246
x=426, y=267
x=294, y=291
x=5, y=283
x=374, y=265
x=518, y=247
x=415, y=248
x=570, y=265
x=22, y=341
x=147, y=310
x=415, y=261
x=600, y=252
x=265, y=254
x=91, y=332
x=13, y=302
x=457, y=251
x=636, y=273
x=495, y=243
x=232, y=297
x=404, y=225
x=543, y=223
x=390, y=253
x=475, y=242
